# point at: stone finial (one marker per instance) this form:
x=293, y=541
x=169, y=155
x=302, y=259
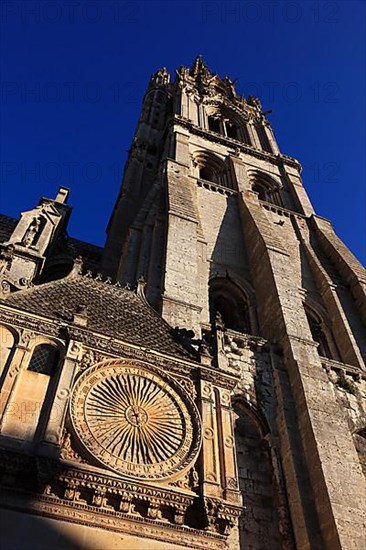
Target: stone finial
x=140, y=290
x=62, y=195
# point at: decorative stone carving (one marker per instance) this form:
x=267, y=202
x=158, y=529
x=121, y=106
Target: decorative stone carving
x=190, y=480
x=88, y=359
x=188, y=385
x=134, y=420
x=27, y=337
x=221, y=516
x=67, y=452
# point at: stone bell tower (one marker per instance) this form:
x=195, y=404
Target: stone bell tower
x=217, y=221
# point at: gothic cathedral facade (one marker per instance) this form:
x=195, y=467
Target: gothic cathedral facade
x=199, y=382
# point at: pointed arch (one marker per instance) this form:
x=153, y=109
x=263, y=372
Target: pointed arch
x=211, y=167
x=267, y=188
x=259, y=525
x=223, y=120
x=229, y=300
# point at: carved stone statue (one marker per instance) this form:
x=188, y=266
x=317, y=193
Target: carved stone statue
x=32, y=232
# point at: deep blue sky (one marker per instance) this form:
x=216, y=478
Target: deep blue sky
x=74, y=73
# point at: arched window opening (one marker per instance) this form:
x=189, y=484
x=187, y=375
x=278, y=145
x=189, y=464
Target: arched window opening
x=227, y=123
x=227, y=300
x=260, y=497
x=213, y=168
x=318, y=334
x=44, y=360
x=214, y=124
x=208, y=174
x=267, y=191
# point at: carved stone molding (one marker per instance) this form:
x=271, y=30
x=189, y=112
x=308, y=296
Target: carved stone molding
x=277, y=160
x=110, y=346
x=73, y=509
x=67, y=451
x=221, y=516
x=19, y=319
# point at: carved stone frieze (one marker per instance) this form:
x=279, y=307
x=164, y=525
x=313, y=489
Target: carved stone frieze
x=189, y=480
x=75, y=510
x=88, y=359
x=221, y=517
x=188, y=385
x=19, y=319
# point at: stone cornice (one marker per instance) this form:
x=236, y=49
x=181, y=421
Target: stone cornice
x=95, y=480
x=110, y=520
x=277, y=160
x=113, y=347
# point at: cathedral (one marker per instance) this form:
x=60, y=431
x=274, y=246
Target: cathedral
x=200, y=381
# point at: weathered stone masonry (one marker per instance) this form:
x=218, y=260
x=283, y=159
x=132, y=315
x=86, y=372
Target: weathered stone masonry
x=200, y=381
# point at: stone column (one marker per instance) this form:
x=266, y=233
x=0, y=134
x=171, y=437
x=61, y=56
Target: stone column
x=210, y=445
x=52, y=435
x=229, y=475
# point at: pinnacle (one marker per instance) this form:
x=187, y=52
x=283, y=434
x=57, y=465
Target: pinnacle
x=199, y=66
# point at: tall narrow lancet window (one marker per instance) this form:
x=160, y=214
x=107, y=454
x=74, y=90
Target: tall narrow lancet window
x=214, y=124
x=263, y=139
x=28, y=408
x=231, y=130
x=318, y=334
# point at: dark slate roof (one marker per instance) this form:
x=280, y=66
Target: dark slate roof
x=7, y=226
x=111, y=310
